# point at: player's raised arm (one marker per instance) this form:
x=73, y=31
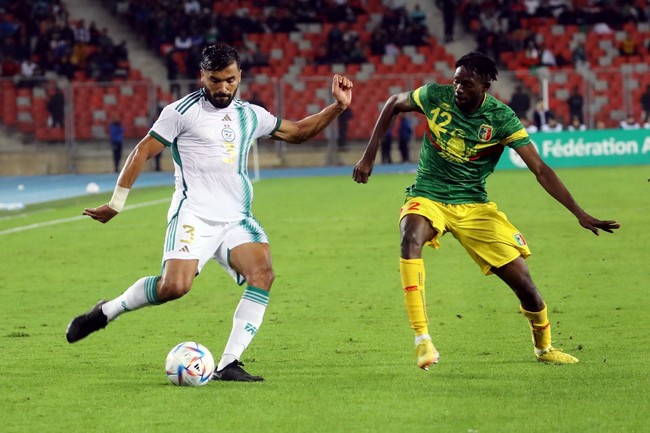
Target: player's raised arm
x=147, y=148
x=554, y=186
x=302, y=130
x=396, y=104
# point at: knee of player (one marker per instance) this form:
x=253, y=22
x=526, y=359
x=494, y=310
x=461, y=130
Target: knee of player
x=173, y=288
x=262, y=278
x=411, y=244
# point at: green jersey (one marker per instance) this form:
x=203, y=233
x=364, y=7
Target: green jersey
x=459, y=150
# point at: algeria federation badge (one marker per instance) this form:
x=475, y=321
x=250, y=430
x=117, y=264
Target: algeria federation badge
x=485, y=132
x=228, y=134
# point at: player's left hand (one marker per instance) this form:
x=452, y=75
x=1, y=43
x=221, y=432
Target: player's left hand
x=593, y=224
x=342, y=90
x=103, y=213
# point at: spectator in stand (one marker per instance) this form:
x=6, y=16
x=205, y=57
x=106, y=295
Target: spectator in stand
x=530, y=7
x=418, y=16
x=541, y=115
x=531, y=54
x=116, y=134
x=192, y=7
x=547, y=58
x=646, y=124
x=629, y=123
x=386, y=145
x=530, y=127
x=576, y=103
x=576, y=125
x=183, y=41
x=553, y=125
x=378, y=40
x=471, y=14
x=628, y=47
x=520, y=102
x=645, y=102
x=449, y=8
x=81, y=41
x=600, y=124
x=56, y=106
x=65, y=68
x=258, y=57
x=491, y=24
x=342, y=122
x=404, y=134
x=601, y=28
x=579, y=55
x=30, y=74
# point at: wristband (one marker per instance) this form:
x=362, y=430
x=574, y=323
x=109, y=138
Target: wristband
x=119, y=198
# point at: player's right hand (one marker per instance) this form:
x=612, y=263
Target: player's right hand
x=362, y=171
x=103, y=213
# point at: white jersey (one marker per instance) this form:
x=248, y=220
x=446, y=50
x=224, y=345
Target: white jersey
x=210, y=151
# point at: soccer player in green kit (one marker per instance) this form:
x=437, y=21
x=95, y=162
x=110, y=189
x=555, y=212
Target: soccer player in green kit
x=468, y=129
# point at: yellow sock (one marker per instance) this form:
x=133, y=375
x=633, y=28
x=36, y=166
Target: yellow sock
x=412, y=273
x=540, y=326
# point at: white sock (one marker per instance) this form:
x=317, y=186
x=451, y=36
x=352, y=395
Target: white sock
x=141, y=294
x=245, y=323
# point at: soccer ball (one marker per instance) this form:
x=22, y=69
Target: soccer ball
x=189, y=364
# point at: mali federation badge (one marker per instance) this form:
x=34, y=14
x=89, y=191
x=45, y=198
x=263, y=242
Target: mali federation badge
x=485, y=132
x=519, y=238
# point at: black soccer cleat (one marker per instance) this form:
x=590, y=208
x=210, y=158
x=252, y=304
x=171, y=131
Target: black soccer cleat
x=87, y=323
x=234, y=372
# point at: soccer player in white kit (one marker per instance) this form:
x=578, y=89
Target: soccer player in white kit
x=209, y=133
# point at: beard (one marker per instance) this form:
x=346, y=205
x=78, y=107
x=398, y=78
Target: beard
x=220, y=100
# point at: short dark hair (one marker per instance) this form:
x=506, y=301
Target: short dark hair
x=479, y=64
x=219, y=57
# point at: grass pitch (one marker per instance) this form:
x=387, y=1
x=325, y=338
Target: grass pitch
x=335, y=347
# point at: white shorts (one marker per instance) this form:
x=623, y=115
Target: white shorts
x=190, y=237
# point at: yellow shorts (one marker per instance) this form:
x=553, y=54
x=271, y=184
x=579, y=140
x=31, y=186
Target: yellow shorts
x=484, y=232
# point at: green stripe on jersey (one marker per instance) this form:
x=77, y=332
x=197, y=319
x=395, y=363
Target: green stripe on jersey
x=189, y=100
x=253, y=228
x=248, y=124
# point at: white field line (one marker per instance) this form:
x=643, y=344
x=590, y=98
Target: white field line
x=76, y=218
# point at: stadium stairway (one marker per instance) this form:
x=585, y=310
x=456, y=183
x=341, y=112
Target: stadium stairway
x=140, y=57
x=462, y=44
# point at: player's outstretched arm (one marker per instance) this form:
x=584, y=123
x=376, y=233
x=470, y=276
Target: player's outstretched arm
x=147, y=148
x=302, y=130
x=554, y=186
x=396, y=104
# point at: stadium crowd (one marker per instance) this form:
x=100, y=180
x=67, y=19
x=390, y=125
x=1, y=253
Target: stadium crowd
x=38, y=37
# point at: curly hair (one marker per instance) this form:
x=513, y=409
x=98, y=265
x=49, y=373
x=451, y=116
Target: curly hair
x=479, y=64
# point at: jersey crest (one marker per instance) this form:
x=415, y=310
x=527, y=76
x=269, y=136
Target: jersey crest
x=228, y=133
x=485, y=132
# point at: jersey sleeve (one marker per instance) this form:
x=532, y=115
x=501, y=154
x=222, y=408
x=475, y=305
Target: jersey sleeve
x=417, y=97
x=515, y=135
x=168, y=126
x=267, y=123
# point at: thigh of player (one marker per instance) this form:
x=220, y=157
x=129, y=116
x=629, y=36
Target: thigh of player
x=245, y=254
x=489, y=238
x=192, y=238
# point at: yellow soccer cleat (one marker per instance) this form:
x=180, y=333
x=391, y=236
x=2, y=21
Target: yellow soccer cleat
x=427, y=354
x=555, y=356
